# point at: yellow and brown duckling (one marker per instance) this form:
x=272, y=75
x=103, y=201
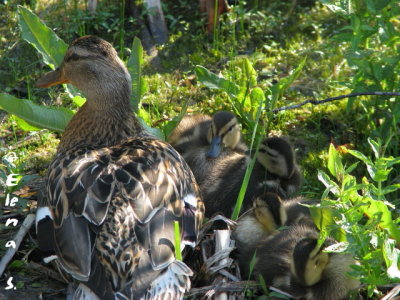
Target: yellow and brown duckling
x=202, y=141
x=113, y=190
x=269, y=212
x=275, y=170
x=293, y=262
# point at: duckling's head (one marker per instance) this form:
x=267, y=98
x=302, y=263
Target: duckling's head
x=277, y=156
x=224, y=132
x=269, y=211
x=93, y=66
x=309, y=261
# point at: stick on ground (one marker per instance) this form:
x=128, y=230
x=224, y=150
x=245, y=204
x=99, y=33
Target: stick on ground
x=26, y=225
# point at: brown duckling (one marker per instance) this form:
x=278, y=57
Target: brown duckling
x=202, y=141
x=113, y=190
x=277, y=156
x=269, y=212
x=275, y=170
x=292, y=261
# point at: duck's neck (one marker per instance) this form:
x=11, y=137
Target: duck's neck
x=98, y=125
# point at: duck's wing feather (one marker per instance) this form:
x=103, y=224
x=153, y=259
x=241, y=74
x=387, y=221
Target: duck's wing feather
x=148, y=175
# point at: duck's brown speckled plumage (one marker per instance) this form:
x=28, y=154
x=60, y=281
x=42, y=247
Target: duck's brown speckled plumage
x=113, y=190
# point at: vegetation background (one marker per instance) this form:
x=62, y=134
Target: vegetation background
x=261, y=56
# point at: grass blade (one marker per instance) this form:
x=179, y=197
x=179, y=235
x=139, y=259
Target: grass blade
x=178, y=253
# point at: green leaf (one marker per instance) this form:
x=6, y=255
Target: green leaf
x=78, y=100
x=329, y=184
x=391, y=255
x=257, y=98
x=378, y=211
x=335, y=165
x=25, y=125
x=53, y=118
x=134, y=66
x=213, y=81
x=171, y=125
x=375, y=147
x=41, y=37
x=360, y=156
x=391, y=188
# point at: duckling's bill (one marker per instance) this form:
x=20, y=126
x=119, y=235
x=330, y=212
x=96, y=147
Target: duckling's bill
x=215, y=147
x=51, y=78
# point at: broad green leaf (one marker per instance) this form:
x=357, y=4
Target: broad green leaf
x=213, y=81
x=250, y=72
x=134, y=66
x=53, y=118
x=41, y=37
x=378, y=211
x=335, y=165
x=257, y=98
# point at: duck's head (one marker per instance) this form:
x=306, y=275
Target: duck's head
x=224, y=132
x=309, y=261
x=269, y=211
x=93, y=66
x=277, y=156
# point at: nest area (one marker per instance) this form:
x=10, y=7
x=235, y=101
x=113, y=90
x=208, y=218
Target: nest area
x=216, y=271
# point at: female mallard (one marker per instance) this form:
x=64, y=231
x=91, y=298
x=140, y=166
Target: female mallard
x=275, y=170
x=203, y=141
x=294, y=262
x=113, y=190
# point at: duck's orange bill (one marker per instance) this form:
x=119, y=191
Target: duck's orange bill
x=51, y=78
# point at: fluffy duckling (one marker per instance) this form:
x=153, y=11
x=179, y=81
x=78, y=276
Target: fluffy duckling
x=269, y=212
x=113, y=191
x=220, y=132
x=275, y=170
x=292, y=261
x=202, y=141
x=277, y=156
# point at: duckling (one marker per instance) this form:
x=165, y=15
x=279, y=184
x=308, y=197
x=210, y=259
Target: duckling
x=269, y=212
x=292, y=261
x=219, y=132
x=275, y=170
x=277, y=156
x=113, y=190
x=203, y=140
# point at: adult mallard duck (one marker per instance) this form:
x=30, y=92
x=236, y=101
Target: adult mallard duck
x=294, y=262
x=275, y=170
x=113, y=190
x=203, y=141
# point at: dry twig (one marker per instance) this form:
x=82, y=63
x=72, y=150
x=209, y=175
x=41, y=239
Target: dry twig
x=17, y=239
x=316, y=102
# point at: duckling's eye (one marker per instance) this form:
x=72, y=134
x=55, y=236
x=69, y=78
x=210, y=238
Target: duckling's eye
x=230, y=128
x=73, y=57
